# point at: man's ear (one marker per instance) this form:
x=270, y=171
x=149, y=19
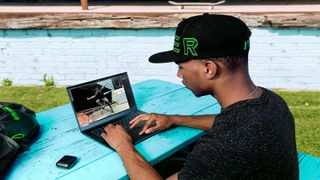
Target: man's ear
x=210, y=69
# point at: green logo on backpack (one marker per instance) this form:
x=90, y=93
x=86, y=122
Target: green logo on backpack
x=11, y=111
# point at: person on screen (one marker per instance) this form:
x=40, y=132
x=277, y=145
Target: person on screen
x=101, y=98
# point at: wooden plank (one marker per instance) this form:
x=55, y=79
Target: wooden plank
x=309, y=167
x=108, y=167
x=96, y=20
x=151, y=89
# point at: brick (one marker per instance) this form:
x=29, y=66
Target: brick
x=75, y=76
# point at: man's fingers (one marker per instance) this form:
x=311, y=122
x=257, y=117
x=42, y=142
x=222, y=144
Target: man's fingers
x=108, y=127
x=120, y=127
x=151, y=130
x=148, y=123
x=137, y=121
x=141, y=116
x=136, y=118
x=105, y=137
x=132, y=120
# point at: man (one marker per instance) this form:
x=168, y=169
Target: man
x=252, y=138
x=101, y=99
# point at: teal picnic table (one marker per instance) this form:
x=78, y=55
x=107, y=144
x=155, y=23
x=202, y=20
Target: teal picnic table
x=60, y=135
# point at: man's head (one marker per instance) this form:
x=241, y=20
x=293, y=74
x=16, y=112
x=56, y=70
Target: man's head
x=207, y=47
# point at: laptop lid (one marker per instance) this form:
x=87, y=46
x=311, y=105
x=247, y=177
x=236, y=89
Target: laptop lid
x=101, y=101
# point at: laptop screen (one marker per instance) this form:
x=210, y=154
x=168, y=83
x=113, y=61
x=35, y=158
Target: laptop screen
x=95, y=101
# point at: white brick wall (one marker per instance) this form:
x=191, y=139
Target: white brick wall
x=287, y=59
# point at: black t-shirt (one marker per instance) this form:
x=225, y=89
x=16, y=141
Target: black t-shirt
x=251, y=139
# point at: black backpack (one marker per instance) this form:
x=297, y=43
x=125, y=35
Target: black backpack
x=18, y=126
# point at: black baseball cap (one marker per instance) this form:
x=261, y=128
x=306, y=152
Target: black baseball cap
x=206, y=36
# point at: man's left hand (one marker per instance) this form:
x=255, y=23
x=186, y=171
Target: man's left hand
x=117, y=137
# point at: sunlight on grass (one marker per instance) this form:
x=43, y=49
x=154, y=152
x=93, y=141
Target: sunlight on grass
x=36, y=98
x=305, y=107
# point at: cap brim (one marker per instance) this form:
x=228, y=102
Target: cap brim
x=166, y=57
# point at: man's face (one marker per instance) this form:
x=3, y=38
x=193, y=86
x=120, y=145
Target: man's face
x=189, y=72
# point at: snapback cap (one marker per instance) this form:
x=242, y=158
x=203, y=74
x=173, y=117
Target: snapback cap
x=206, y=36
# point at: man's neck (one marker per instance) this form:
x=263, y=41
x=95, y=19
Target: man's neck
x=235, y=88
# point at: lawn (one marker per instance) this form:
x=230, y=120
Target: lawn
x=36, y=98
x=305, y=106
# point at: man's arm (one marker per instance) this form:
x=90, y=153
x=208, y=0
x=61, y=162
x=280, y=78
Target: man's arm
x=203, y=122
x=163, y=122
x=137, y=167
x=93, y=96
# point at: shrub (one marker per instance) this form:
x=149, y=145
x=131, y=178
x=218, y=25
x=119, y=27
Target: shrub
x=6, y=82
x=49, y=81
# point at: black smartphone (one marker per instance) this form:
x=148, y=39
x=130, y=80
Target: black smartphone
x=67, y=161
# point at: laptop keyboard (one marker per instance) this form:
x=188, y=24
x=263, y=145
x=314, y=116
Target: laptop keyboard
x=124, y=122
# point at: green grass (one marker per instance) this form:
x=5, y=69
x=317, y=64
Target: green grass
x=36, y=98
x=305, y=107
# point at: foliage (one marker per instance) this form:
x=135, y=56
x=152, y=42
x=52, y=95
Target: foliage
x=6, y=82
x=49, y=81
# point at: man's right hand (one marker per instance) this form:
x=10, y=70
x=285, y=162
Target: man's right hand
x=162, y=122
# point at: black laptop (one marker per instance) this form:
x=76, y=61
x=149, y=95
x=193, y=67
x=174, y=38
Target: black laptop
x=103, y=101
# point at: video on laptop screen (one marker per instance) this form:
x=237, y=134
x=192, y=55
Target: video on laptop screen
x=95, y=101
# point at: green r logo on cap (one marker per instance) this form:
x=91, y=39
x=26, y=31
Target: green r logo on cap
x=176, y=44
x=190, y=45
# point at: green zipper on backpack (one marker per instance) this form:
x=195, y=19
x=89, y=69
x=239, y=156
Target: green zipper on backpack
x=17, y=136
x=14, y=115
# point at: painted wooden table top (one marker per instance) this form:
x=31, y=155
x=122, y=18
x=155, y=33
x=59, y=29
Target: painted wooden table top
x=59, y=135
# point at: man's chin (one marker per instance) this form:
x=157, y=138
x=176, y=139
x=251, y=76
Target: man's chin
x=197, y=94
